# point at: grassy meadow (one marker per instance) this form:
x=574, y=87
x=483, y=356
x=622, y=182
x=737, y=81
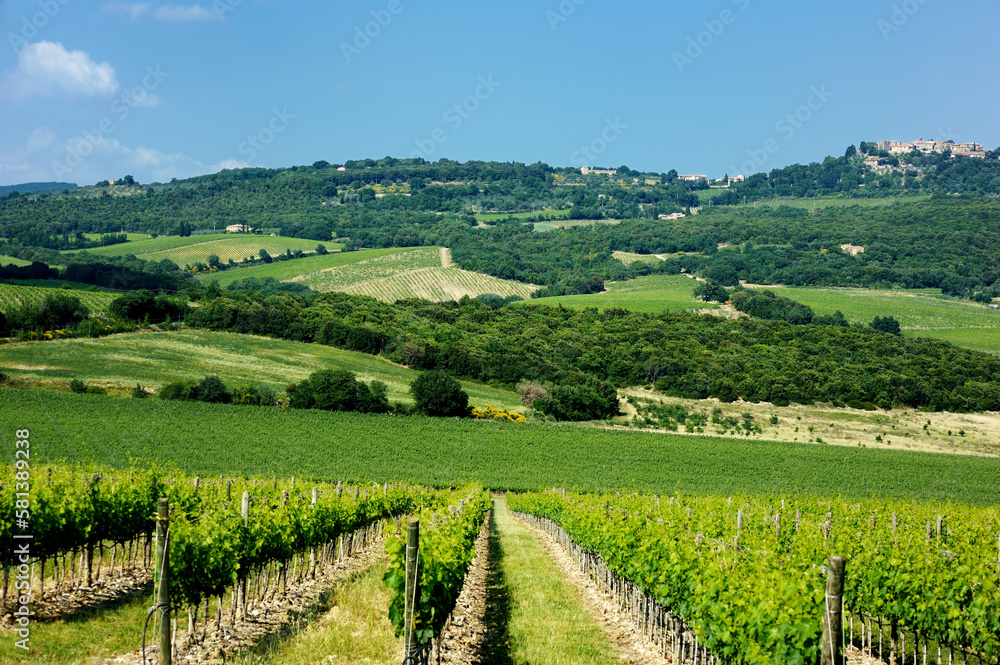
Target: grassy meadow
x=921, y=313
x=11, y=261
x=205, y=439
x=497, y=216
x=652, y=294
x=118, y=362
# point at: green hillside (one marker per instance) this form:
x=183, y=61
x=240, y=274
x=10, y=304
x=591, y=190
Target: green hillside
x=157, y=359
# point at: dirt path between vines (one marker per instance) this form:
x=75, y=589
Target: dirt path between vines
x=464, y=638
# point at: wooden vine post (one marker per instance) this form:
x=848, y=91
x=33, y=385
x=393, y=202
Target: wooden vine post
x=833, y=616
x=162, y=575
x=411, y=649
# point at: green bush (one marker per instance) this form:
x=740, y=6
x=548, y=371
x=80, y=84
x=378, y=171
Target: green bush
x=593, y=400
x=139, y=392
x=437, y=393
x=211, y=389
x=78, y=386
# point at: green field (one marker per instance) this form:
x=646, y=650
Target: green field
x=497, y=216
x=203, y=439
x=417, y=273
x=195, y=249
x=289, y=270
x=571, y=223
x=11, y=261
x=155, y=359
x=922, y=313
x=652, y=294
x=14, y=295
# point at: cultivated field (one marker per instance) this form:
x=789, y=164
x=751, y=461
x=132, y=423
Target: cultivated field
x=289, y=270
x=195, y=249
x=209, y=440
x=13, y=295
x=652, y=294
x=496, y=216
x=572, y=223
x=921, y=313
x=417, y=273
x=628, y=258
x=118, y=362
x=11, y=261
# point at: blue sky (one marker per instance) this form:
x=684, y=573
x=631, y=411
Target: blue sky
x=96, y=90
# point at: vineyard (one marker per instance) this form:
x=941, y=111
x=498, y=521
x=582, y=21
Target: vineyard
x=742, y=579
x=209, y=439
x=196, y=249
x=412, y=274
x=241, y=541
x=629, y=258
x=235, y=247
x=13, y=296
x=289, y=270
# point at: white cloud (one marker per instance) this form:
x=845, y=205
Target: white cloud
x=133, y=9
x=48, y=68
x=185, y=13
x=92, y=157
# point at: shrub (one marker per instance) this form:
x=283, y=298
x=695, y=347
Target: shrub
x=530, y=391
x=139, y=392
x=887, y=324
x=179, y=390
x=78, y=386
x=211, y=389
x=436, y=393
x=592, y=400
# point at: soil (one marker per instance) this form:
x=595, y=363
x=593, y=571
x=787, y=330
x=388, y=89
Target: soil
x=464, y=636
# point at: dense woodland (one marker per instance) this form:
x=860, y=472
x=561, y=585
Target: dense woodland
x=680, y=354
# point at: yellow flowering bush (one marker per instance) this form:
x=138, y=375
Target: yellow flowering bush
x=491, y=413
